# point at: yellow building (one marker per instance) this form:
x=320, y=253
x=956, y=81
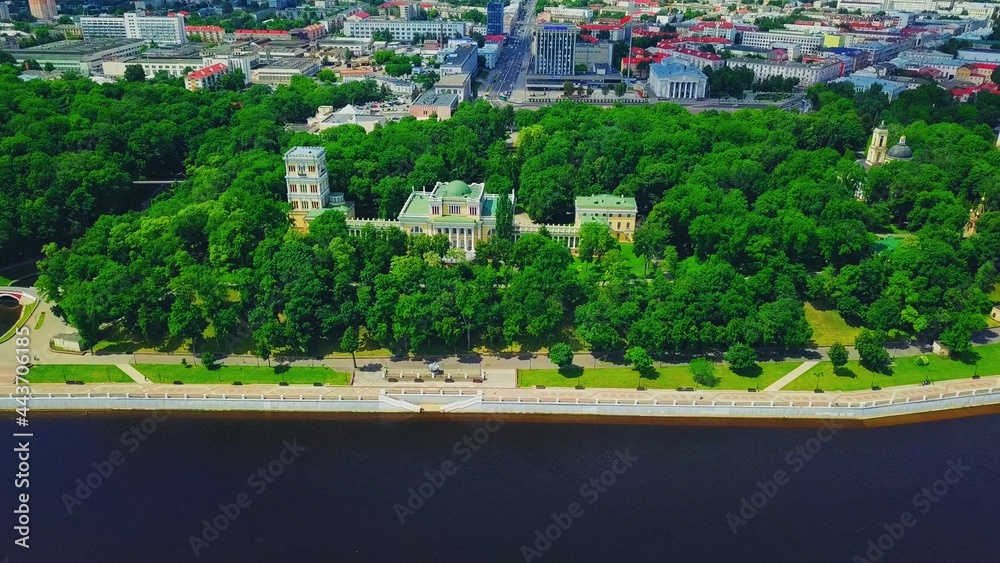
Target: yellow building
x=618, y=212
x=463, y=212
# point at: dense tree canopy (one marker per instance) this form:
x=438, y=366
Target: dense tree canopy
x=746, y=215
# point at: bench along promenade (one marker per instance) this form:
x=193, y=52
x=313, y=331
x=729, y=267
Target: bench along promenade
x=497, y=393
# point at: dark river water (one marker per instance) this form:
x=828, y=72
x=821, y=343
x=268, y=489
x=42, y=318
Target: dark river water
x=270, y=488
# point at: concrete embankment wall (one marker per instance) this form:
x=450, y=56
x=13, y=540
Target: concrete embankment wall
x=856, y=411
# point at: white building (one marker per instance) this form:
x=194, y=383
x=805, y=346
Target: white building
x=176, y=68
x=571, y=14
x=403, y=30
x=458, y=84
x=398, y=86
x=672, y=80
x=306, y=178
x=766, y=39
x=891, y=89
x=490, y=52
x=162, y=30
x=326, y=118
x=807, y=73
x=281, y=71
x=85, y=57
x=554, y=48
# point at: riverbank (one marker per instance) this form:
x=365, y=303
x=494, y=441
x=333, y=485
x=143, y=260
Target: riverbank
x=914, y=403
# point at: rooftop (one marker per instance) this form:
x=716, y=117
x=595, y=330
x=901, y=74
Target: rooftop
x=416, y=204
x=605, y=201
x=85, y=47
x=453, y=80
x=306, y=152
x=436, y=99
x=208, y=71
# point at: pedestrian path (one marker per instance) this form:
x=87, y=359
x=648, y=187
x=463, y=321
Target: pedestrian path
x=777, y=385
x=133, y=373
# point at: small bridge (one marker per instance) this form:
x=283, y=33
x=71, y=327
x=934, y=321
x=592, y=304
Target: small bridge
x=20, y=293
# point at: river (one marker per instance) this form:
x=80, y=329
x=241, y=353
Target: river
x=274, y=488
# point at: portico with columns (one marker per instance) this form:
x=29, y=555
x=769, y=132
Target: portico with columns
x=677, y=81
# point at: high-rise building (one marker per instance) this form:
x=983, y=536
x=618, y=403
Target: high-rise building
x=494, y=18
x=163, y=30
x=43, y=9
x=553, y=49
x=4, y=11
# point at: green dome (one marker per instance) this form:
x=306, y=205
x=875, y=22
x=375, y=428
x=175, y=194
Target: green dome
x=454, y=188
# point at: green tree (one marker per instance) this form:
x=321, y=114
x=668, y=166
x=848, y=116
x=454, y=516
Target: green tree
x=596, y=240
x=620, y=89
x=134, y=73
x=349, y=343
x=870, y=345
x=639, y=358
x=208, y=360
x=703, y=372
x=741, y=357
x=561, y=355
x=568, y=88
x=504, y=218
x=838, y=356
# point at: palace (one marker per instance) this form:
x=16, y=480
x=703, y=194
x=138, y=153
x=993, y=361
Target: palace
x=464, y=212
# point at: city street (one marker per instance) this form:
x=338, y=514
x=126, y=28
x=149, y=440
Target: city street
x=508, y=76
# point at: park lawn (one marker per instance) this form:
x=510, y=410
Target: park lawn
x=57, y=373
x=5, y=281
x=635, y=262
x=25, y=314
x=246, y=374
x=668, y=377
x=855, y=377
x=829, y=327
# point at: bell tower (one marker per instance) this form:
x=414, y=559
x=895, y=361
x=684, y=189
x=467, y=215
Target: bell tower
x=877, y=148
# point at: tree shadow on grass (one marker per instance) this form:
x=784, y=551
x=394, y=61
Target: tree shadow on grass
x=845, y=372
x=571, y=372
x=969, y=358
x=281, y=368
x=751, y=372
x=649, y=373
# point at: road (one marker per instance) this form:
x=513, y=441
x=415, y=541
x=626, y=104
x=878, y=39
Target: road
x=508, y=76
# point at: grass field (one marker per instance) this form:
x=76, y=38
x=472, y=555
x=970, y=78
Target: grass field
x=984, y=360
x=54, y=373
x=669, y=377
x=5, y=281
x=636, y=262
x=40, y=322
x=25, y=313
x=829, y=327
x=166, y=373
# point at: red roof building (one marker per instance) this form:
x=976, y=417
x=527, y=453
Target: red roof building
x=205, y=78
x=209, y=33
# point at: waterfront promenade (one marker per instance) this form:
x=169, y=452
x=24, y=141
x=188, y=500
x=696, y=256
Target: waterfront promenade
x=469, y=397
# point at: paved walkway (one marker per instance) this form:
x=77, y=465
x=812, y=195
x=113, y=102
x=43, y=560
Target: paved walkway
x=785, y=380
x=907, y=393
x=133, y=373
